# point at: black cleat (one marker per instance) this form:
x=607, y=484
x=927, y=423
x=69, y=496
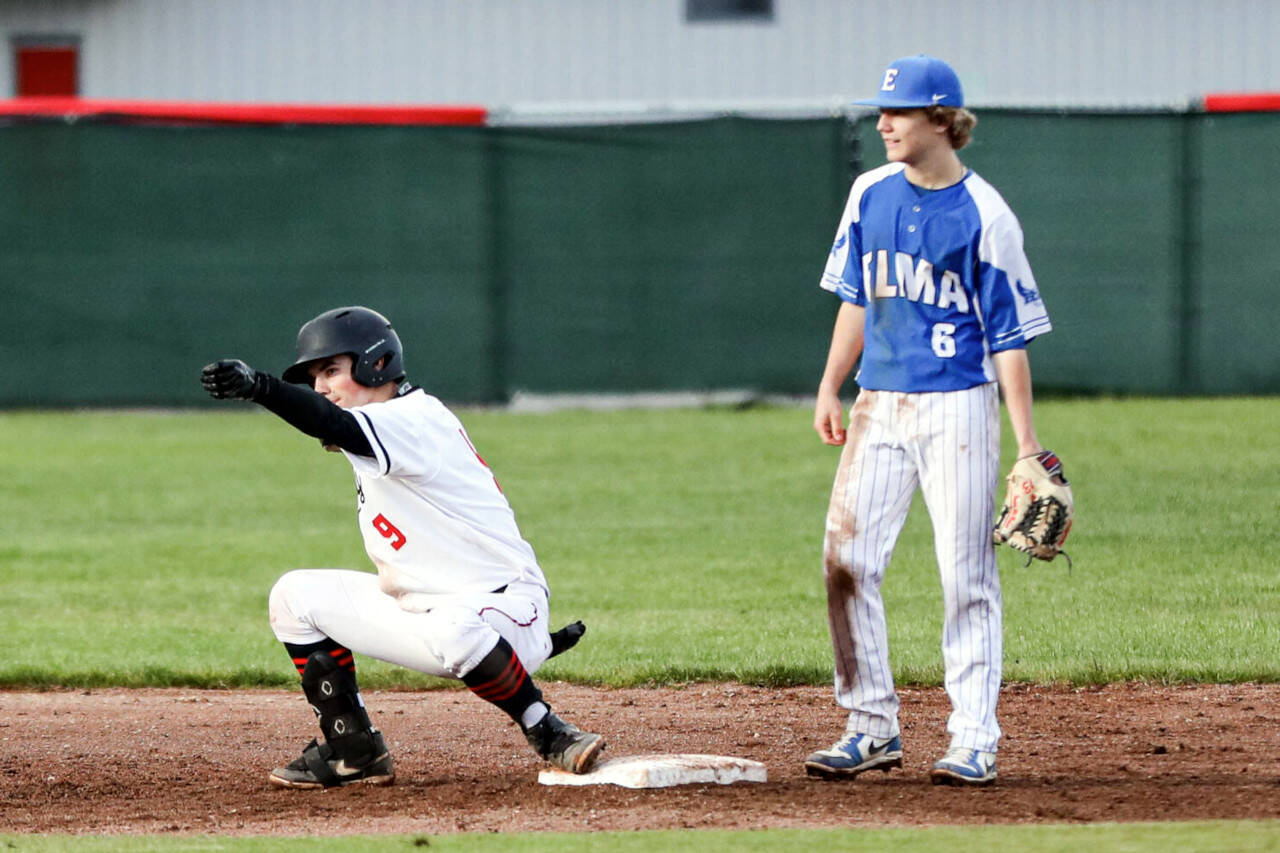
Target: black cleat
x=564, y=744
x=318, y=767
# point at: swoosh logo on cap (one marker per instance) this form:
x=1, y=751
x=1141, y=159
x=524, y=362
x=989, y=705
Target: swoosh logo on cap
x=937, y=98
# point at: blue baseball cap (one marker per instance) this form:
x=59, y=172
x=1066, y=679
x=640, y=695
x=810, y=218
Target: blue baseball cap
x=917, y=81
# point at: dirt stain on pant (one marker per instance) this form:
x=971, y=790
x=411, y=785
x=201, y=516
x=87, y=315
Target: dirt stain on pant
x=841, y=591
x=842, y=528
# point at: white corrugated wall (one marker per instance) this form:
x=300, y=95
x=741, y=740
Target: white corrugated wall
x=547, y=53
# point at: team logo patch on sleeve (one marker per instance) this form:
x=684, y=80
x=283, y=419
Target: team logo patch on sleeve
x=1029, y=294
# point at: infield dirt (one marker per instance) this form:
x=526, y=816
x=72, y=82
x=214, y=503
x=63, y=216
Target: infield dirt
x=195, y=762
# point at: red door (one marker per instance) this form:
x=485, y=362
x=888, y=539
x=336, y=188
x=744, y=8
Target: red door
x=46, y=69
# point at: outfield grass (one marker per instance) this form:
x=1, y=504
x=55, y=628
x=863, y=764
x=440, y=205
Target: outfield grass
x=138, y=548
x=1197, y=837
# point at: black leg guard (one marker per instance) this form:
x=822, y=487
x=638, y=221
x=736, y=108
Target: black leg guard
x=331, y=690
x=354, y=752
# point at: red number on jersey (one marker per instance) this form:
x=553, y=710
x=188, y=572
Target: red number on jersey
x=389, y=531
x=481, y=458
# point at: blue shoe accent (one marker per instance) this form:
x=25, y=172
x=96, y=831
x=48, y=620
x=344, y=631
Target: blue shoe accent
x=962, y=766
x=854, y=754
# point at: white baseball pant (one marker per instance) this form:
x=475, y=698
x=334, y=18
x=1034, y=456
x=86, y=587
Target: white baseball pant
x=948, y=444
x=448, y=640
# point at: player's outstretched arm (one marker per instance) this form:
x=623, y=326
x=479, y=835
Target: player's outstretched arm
x=301, y=408
x=846, y=347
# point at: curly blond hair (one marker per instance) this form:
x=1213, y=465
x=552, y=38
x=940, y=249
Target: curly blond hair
x=958, y=121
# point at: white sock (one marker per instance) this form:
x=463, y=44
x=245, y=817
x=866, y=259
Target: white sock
x=534, y=714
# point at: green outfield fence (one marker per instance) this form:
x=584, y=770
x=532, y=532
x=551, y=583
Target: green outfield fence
x=611, y=258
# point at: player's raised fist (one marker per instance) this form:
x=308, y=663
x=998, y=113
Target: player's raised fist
x=229, y=379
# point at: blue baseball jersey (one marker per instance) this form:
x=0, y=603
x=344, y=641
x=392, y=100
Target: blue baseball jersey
x=942, y=275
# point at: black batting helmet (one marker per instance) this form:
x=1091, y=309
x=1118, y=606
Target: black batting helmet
x=361, y=333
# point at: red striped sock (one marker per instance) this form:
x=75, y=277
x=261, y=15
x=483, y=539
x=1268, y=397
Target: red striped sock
x=501, y=678
x=340, y=653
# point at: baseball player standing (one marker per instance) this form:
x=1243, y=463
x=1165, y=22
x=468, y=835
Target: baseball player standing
x=458, y=592
x=938, y=300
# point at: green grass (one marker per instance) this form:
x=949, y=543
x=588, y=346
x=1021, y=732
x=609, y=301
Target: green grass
x=138, y=548
x=1188, y=837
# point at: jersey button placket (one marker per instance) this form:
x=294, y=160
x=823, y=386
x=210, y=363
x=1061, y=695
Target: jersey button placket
x=914, y=220
x=914, y=227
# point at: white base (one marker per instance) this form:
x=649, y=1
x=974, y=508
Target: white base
x=662, y=771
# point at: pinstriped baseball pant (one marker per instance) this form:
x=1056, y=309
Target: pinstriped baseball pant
x=948, y=445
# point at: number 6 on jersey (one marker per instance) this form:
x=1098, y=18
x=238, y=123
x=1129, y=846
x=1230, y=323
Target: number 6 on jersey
x=944, y=340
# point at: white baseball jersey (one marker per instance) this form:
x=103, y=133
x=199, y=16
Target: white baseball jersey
x=433, y=517
x=454, y=572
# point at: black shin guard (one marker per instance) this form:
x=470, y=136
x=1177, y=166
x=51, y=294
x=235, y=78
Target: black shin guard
x=500, y=678
x=331, y=690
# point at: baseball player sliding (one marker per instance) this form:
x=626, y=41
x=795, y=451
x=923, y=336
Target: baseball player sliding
x=458, y=592
x=938, y=300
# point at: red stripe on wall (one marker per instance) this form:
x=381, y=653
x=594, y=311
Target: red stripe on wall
x=183, y=111
x=1242, y=103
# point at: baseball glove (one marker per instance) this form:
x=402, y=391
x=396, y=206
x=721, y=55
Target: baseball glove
x=1038, y=508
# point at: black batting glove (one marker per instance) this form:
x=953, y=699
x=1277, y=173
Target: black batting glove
x=229, y=379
